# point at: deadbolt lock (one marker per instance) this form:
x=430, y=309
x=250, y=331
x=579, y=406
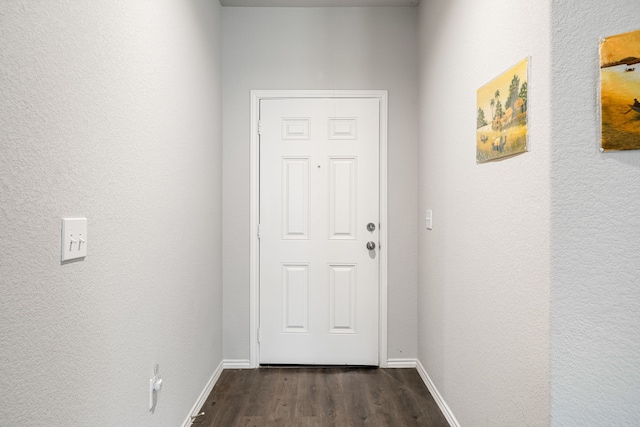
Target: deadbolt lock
x=371, y=227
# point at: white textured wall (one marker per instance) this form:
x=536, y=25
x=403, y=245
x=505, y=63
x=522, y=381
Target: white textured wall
x=321, y=48
x=109, y=110
x=484, y=273
x=595, y=232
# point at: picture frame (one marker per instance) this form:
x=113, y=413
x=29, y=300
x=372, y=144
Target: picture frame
x=620, y=92
x=502, y=114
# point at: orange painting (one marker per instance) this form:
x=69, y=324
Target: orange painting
x=620, y=91
x=501, y=129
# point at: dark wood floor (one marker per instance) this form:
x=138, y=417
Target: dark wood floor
x=305, y=396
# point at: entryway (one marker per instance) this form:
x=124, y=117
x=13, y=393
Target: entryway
x=320, y=270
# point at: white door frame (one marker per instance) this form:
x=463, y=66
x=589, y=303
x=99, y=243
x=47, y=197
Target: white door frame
x=254, y=272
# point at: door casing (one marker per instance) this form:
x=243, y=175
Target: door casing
x=254, y=271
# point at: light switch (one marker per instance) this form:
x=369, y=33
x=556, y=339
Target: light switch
x=74, y=238
x=429, y=219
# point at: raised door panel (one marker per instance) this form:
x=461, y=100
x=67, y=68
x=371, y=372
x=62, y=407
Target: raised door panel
x=342, y=299
x=295, y=298
x=295, y=129
x=295, y=198
x=343, y=128
x=342, y=198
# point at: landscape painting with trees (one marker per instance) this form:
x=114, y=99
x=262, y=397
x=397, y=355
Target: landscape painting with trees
x=502, y=115
x=620, y=91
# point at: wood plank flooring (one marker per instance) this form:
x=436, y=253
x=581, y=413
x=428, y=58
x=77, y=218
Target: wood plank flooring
x=319, y=397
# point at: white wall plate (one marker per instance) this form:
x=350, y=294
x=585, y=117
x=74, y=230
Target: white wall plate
x=74, y=238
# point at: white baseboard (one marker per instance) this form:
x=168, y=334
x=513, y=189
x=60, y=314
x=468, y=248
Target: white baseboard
x=203, y=396
x=236, y=364
x=446, y=411
x=246, y=363
x=401, y=363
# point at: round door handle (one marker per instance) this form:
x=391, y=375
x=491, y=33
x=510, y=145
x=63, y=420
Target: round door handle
x=371, y=246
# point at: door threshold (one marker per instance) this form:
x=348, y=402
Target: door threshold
x=295, y=366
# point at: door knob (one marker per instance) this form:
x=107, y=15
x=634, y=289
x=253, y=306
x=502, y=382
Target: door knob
x=371, y=246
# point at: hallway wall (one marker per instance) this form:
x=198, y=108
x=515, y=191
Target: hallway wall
x=484, y=273
x=321, y=48
x=595, y=233
x=109, y=109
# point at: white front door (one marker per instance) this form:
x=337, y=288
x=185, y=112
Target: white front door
x=319, y=209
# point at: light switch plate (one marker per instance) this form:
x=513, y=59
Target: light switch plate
x=429, y=219
x=74, y=238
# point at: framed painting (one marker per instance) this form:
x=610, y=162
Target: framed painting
x=502, y=115
x=620, y=91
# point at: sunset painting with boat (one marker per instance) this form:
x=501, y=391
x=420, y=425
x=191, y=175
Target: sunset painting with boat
x=620, y=91
x=501, y=129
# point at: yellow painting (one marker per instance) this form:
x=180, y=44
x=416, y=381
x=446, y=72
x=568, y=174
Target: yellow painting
x=620, y=91
x=502, y=115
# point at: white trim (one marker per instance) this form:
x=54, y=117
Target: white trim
x=204, y=395
x=402, y=363
x=254, y=249
x=237, y=364
x=446, y=411
x=254, y=244
x=384, y=247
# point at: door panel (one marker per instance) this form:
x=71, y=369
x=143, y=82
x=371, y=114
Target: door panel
x=295, y=298
x=342, y=198
x=342, y=282
x=295, y=198
x=319, y=188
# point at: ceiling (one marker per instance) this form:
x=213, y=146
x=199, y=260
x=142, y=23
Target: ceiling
x=318, y=3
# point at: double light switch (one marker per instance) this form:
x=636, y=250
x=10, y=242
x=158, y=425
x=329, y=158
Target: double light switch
x=74, y=238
